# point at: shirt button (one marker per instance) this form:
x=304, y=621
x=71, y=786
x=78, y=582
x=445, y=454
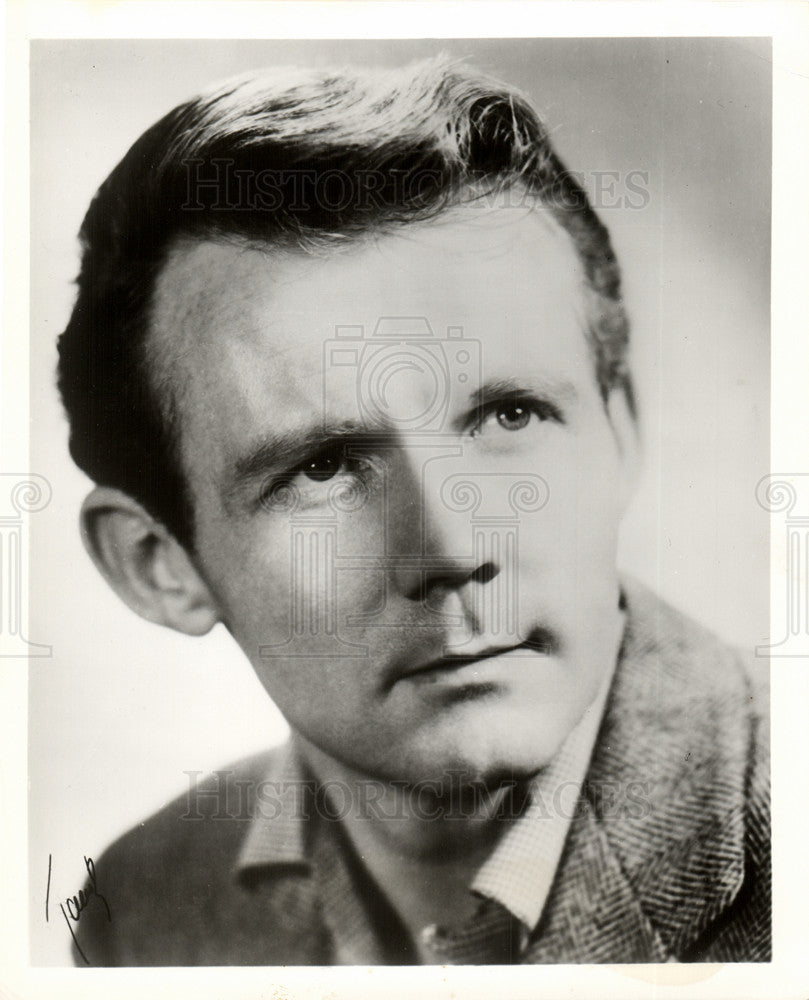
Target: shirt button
x=428, y=935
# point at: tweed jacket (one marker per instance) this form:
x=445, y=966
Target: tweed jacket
x=686, y=877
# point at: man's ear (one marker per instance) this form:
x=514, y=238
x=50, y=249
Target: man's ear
x=627, y=438
x=144, y=564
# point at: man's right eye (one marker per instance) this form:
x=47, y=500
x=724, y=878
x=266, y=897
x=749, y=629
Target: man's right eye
x=310, y=482
x=323, y=466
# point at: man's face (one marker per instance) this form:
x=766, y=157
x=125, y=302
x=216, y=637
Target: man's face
x=408, y=605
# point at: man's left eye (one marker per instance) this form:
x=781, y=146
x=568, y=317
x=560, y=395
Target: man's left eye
x=512, y=415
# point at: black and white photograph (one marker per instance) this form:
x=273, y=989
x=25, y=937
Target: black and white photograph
x=397, y=582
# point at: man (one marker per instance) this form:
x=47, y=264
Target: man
x=348, y=365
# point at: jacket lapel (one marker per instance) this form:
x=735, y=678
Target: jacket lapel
x=593, y=913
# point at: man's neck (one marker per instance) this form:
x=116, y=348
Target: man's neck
x=423, y=822
x=422, y=850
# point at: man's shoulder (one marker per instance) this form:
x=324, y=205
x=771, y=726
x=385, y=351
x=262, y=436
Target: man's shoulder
x=679, y=686
x=215, y=807
x=688, y=724
x=174, y=882
x=671, y=644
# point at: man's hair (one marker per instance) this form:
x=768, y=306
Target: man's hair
x=299, y=160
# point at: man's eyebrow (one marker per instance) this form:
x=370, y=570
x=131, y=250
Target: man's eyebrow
x=493, y=389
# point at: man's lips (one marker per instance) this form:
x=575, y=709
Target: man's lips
x=541, y=642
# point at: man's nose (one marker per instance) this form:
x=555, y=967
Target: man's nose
x=434, y=546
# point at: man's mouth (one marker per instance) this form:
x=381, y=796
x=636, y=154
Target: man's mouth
x=540, y=643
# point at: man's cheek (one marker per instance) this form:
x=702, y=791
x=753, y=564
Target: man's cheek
x=361, y=593
x=260, y=601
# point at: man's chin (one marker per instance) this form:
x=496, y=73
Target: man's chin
x=490, y=753
x=487, y=744
x=460, y=770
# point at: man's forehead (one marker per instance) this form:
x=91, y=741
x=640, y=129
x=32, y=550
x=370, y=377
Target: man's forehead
x=200, y=273
x=194, y=292
x=226, y=306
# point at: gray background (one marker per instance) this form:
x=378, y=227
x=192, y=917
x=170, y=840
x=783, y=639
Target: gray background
x=123, y=708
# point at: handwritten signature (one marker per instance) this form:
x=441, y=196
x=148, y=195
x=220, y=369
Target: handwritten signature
x=73, y=907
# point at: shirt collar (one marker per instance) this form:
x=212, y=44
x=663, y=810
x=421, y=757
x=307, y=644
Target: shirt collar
x=281, y=804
